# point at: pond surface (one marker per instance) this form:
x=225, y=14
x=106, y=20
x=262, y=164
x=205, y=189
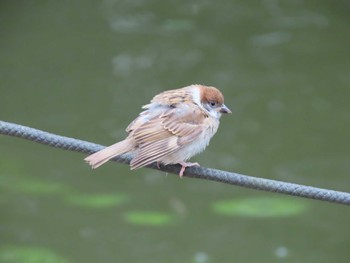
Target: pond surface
x=83, y=69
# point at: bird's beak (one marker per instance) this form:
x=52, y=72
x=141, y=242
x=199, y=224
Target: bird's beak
x=224, y=109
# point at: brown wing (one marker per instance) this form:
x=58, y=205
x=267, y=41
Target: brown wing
x=171, y=97
x=166, y=133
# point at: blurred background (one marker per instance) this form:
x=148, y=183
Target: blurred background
x=83, y=69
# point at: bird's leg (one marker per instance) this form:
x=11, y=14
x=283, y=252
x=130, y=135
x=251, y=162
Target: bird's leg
x=158, y=165
x=185, y=165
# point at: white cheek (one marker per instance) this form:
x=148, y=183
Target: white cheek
x=215, y=114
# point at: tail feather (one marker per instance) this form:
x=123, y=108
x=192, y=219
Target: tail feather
x=98, y=158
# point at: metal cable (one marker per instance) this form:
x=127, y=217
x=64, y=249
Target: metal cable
x=72, y=144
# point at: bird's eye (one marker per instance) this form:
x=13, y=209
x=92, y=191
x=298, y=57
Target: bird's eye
x=212, y=103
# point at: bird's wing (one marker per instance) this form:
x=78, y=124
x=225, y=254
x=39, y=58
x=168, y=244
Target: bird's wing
x=171, y=98
x=166, y=133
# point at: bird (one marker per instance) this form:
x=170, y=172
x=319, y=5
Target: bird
x=176, y=125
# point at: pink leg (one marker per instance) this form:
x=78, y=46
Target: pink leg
x=185, y=165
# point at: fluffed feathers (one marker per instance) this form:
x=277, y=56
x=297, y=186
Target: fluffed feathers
x=173, y=127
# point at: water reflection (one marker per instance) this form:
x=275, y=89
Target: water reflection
x=83, y=69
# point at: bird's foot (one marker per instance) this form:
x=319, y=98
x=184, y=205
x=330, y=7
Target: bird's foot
x=185, y=165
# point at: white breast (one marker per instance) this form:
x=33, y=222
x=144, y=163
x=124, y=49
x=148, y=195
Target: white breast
x=193, y=148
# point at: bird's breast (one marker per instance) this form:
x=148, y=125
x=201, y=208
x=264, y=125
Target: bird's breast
x=195, y=147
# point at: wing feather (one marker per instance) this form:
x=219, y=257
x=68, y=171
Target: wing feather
x=166, y=133
x=171, y=97
x=153, y=151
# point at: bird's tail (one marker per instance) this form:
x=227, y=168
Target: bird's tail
x=98, y=158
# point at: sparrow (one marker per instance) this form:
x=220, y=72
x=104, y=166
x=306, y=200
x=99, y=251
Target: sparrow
x=176, y=125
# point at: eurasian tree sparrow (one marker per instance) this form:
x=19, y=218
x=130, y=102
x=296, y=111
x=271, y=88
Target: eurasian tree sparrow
x=176, y=125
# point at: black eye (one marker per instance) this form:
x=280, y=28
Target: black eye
x=212, y=103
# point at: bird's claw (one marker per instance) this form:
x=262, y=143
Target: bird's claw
x=184, y=166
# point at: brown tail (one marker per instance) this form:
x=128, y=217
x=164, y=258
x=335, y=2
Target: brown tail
x=98, y=158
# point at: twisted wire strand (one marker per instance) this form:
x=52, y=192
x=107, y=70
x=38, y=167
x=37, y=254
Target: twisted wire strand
x=77, y=145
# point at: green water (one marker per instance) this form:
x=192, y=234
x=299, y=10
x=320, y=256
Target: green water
x=84, y=68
